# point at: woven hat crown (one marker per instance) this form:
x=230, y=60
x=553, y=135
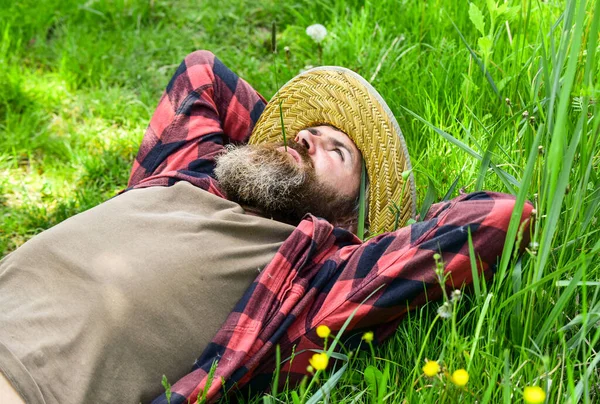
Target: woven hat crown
x=339, y=97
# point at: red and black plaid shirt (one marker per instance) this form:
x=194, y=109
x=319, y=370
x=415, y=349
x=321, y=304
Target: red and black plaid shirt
x=321, y=274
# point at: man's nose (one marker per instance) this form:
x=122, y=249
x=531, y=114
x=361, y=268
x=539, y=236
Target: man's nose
x=308, y=140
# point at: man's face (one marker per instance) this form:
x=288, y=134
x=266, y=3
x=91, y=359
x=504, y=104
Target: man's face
x=318, y=173
x=336, y=158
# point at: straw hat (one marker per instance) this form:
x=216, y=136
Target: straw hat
x=339, y=97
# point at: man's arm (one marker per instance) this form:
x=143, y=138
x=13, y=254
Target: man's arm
x=397, y=271
x=320, y=275
x=204, y=107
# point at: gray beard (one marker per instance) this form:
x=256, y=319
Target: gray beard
x=264, y=178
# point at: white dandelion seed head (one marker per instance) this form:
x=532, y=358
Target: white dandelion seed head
x=317, y=32
x=455, y=296
x=445, y=310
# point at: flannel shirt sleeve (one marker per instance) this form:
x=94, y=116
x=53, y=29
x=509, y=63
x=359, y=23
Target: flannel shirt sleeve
x=383, y=279
x=322, y=275
x=204, y=107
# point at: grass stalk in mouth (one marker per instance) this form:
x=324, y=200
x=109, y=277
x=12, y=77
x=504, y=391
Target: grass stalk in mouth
x=361, y=203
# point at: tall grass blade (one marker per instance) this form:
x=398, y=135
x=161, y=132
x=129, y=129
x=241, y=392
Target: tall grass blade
x=474, y=268
x=347, y=322
x=486, y=160
x=446, y=135
x=506, y=386
x=277, y=369
x=593, y=367
x=555, y=204
x=274, y=37
x=515, y=219
x=328, y=385
x=486, y=72
x=558, y=58
x=558, y=308
x=452, y=188
x=430, y=197
x=555, y=187
x=503, y=175
x=482, y=315
x=487, y=396
x=515, y=317
x=551, y=277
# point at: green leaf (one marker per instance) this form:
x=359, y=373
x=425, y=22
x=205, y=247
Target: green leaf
x=373, y=377
x=477, y=18
x=503, y=82
x=485, y=45
x=492, y=6
x=501, y=9
x=509, y=13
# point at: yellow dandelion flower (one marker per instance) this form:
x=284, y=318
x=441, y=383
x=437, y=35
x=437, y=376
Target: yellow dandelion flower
x=319, y=361
x=323, y=331
x=368, y=337
x=460, y=377
x=431, y=368
x=534, y=395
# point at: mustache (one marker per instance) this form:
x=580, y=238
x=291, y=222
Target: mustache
x=298, y=147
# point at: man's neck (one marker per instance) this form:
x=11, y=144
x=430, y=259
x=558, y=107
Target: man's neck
x=250, y=210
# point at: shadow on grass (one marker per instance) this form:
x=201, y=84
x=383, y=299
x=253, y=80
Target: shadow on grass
x=104, y=175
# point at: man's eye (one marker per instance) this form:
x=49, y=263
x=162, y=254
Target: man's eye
x=338, y=151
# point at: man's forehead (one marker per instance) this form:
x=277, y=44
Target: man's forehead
x=337, y=133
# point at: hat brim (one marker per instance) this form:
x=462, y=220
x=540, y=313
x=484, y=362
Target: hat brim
x=339, y=97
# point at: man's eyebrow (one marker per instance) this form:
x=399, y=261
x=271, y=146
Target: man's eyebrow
x=335, y=142
x=341, y=145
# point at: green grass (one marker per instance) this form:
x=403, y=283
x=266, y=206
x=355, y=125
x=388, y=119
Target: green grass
x=507, y=105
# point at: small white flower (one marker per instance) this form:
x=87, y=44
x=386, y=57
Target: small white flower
x=455, y=296
x=317, y=32
x=445, y=310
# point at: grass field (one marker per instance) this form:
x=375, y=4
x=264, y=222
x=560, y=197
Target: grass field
x=489, y=96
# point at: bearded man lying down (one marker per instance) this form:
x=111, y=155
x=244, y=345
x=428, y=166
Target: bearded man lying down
x=218, y=251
